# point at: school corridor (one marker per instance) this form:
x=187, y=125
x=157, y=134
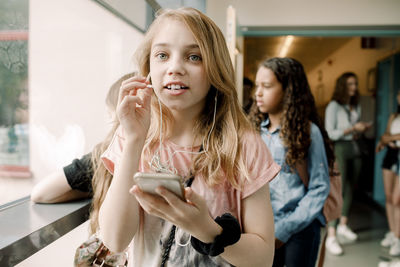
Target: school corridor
x=369, y=222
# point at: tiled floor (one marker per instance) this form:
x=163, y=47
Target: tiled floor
x=369, y=222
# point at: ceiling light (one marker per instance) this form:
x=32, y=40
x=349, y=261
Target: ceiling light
x=286, y=45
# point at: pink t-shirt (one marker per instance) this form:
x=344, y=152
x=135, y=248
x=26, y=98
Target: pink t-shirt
x=147, y=246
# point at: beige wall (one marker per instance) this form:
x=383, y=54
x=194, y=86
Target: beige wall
x=307, y=12
x=77, y=49
x=274, y=13
x=349, y=57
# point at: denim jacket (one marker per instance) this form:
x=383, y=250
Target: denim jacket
x=296, y=206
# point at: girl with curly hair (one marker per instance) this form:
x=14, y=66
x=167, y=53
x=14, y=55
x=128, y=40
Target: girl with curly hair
x=286, y=115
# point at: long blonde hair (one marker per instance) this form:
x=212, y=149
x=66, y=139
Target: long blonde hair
x=102, y=177
x=223, y=157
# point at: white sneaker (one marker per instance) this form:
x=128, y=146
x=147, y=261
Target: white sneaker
x=384, y=264
x=388, y=240
x=346, y=232
x=393, y=263
x=333, y=246
x=395, y=247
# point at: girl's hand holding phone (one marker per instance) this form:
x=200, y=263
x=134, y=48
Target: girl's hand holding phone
x=133, y=109
x=191, y=215
x=359, y=127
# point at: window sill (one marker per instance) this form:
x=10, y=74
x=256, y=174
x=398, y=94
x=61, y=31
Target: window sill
x=27, y=227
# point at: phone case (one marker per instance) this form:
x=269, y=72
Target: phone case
x=148, y=182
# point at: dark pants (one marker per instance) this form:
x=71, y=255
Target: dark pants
x=301, y=250
x=349, y=163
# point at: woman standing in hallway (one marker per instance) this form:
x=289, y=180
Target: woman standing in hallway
x=342, y=122
x=285, y=113
x=390, y=169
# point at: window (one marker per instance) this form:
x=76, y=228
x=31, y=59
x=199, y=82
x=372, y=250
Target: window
x=14, y=144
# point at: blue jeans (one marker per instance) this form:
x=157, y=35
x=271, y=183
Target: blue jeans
x=301, y=250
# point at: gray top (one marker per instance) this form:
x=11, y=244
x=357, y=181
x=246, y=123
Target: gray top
x=337, y=119
x=26, y=227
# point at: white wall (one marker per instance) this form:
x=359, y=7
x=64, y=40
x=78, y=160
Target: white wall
x=135, y=10
x=307, y=12
x=77, y=49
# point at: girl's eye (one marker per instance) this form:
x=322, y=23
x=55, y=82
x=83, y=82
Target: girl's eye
x=194, y=58
x=162, y=56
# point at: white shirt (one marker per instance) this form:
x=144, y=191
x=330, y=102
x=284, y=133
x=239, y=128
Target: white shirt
x=337, y=120
x=395, y=128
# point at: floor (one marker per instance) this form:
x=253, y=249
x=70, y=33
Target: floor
x=369, y=222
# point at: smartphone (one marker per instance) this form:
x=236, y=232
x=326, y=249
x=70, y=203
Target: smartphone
x=148, y=182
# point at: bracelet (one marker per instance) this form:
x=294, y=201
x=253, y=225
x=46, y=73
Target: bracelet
x=230, y=235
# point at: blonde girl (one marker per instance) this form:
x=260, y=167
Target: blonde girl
x=286, y=116
x=193, y=126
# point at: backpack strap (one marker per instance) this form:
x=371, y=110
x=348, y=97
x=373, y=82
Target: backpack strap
x=302, y=171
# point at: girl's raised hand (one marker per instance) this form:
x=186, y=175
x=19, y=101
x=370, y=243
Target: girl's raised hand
x=133, y=109
x=191, y=216
x=379, y=147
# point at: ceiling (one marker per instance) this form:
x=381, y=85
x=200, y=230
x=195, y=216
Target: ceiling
x=310, y=51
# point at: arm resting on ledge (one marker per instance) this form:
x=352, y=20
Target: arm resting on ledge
x=55, y=189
